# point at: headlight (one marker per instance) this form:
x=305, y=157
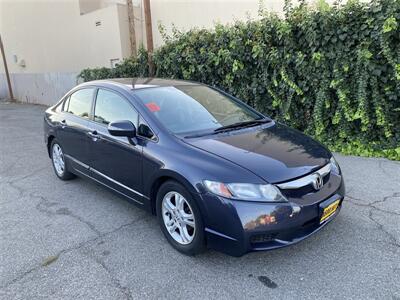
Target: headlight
x=334, y=166
x=246, y=191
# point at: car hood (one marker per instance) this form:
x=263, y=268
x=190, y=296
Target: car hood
x=276, y=153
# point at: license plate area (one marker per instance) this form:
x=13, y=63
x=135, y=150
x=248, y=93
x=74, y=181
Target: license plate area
x=328, y=209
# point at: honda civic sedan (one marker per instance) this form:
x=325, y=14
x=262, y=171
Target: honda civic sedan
x=215, y=172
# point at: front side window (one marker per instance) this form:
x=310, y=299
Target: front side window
x=111, y=107
x=80, y=102
x=191, y=108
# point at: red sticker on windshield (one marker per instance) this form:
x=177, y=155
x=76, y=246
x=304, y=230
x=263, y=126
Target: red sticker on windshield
x=153, y=107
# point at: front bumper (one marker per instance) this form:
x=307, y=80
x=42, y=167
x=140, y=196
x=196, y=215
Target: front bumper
x=238, y=227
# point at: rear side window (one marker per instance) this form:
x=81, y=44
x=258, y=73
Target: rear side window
x=111, y=107
x=80, y=103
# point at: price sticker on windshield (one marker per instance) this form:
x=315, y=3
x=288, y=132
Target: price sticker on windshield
x=153, y=107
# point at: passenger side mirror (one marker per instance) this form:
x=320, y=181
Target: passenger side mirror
x=122, y=128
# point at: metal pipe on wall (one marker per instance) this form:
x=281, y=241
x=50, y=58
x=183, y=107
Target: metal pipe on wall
x=6, y=70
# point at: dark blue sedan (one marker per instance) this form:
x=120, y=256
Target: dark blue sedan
x=214, y=171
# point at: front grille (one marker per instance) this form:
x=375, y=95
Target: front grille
x=306, y=180
x=304, y=190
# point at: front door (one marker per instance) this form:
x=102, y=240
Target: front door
x=115, y=161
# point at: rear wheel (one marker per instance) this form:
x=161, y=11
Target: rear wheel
x=180, y=219
x=58, y=160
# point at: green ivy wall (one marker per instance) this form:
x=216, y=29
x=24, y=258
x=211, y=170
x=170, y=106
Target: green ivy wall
x=331, y=71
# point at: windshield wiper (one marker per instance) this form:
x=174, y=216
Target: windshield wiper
x=242, y=124
x=237, y=125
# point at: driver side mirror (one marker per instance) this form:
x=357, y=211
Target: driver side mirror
x=122, y=128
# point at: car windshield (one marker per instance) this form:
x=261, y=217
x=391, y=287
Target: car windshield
x=194, y=108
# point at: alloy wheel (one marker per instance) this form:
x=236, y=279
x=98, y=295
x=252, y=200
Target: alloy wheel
x=58, y=159
x=178, y=218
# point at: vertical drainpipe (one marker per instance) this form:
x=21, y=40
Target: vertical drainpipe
x=6, y=70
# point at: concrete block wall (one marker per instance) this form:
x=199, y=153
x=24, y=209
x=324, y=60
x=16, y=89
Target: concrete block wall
x=38, y=88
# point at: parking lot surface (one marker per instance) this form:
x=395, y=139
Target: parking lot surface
x=76, y=239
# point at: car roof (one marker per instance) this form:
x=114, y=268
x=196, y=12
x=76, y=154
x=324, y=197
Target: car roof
x=142, y=83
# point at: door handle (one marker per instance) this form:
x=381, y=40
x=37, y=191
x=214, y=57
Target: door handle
x=93, y=135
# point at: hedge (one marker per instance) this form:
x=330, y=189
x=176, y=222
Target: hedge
x=330, y=71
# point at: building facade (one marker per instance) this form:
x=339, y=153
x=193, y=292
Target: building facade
x=48, y=42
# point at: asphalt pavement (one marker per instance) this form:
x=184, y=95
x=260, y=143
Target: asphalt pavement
x=77, y=240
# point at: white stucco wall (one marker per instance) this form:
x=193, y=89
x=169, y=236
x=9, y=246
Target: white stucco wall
x=53, y=36
x=186, y=14
x=203, y=13
x=56, y=42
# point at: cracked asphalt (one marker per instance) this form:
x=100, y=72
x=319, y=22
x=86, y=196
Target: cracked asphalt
x=75, y=239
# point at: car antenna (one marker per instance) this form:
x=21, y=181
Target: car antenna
x=134, y=79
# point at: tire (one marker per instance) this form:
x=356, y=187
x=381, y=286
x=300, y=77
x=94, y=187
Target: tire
x=187, y=239
x=58, y=161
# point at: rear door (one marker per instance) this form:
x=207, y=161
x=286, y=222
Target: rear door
x=115, y=161
x=74, y=125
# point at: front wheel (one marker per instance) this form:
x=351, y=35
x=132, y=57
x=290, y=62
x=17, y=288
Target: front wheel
x=180, y=219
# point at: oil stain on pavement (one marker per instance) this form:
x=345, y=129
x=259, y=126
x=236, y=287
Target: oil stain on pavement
x=267, y=282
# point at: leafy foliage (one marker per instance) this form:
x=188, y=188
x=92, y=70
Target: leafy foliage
x=331, y=71
x=130, y=67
